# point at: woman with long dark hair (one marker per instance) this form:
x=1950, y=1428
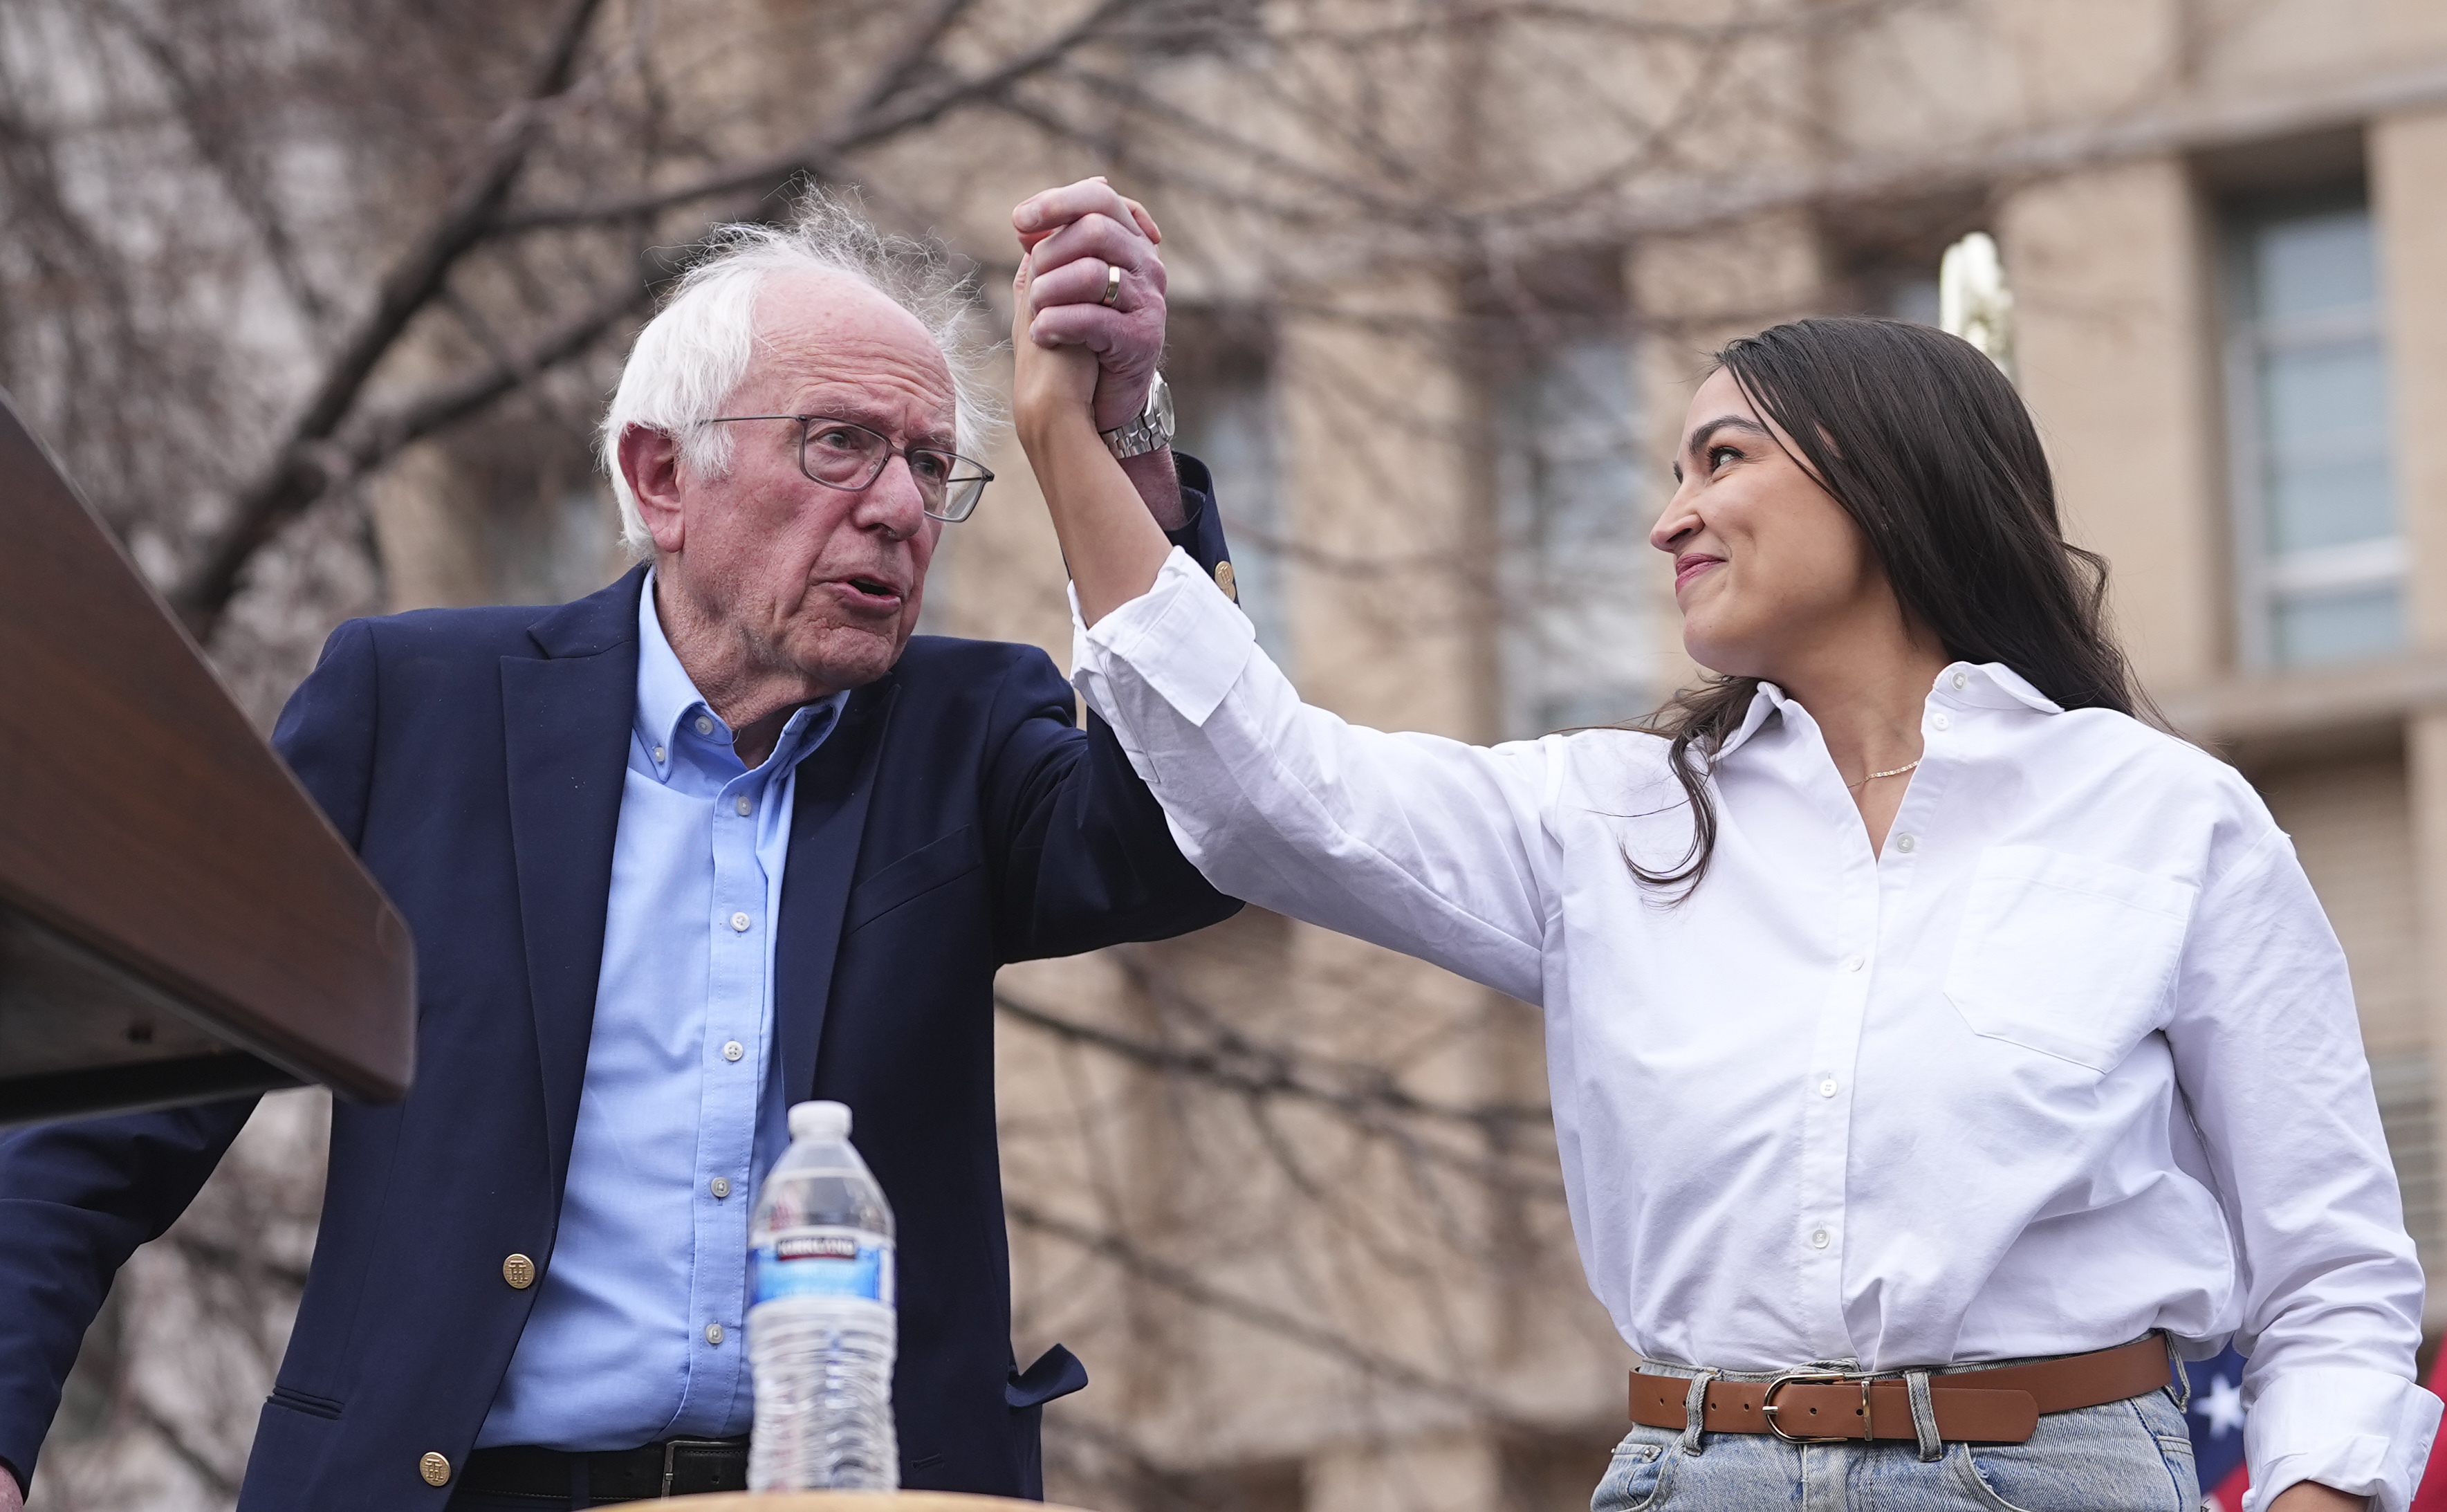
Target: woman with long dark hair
x=1937, y=1047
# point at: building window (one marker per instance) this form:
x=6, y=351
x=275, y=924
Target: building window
x=1221, y=366
x=2322, y=558
x=1882, y=254
x=1576, y=641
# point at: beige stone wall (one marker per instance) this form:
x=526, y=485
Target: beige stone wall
x=2094, y=137
x=2116, y=352
x=2112, y=250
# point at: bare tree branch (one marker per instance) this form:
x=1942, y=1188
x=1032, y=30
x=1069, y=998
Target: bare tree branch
x=1306, y=1333
x=238, y=170
x=819, y=152
x=1240, y=1065
x=295, y=478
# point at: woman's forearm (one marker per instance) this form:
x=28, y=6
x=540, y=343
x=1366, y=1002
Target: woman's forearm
x=1112, y=544
x=2310, y=1495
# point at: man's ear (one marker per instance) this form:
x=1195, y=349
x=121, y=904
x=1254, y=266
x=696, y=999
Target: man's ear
x=650, y=459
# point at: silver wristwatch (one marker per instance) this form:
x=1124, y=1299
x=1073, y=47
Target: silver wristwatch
x=1150, y=430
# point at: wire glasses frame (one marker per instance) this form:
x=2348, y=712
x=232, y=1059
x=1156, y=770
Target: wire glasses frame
x=845, y=455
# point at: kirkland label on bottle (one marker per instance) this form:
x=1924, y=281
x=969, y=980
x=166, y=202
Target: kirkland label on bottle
x=824, y=1262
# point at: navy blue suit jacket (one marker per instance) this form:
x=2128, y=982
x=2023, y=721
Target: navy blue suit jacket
x=957, y=819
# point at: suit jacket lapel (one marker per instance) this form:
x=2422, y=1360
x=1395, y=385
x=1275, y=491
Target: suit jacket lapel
x=828, y=814
x=566, y=718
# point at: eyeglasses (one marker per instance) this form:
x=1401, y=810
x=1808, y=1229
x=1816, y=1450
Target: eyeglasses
x=842, y=454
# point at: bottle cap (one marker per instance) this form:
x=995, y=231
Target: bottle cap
x=820, y=1120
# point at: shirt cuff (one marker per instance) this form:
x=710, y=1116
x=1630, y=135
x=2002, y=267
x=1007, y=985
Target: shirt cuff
x=2364, y=1432
x=1181, y=638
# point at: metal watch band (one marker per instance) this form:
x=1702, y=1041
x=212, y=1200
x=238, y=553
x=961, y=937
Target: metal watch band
x=1151, y=429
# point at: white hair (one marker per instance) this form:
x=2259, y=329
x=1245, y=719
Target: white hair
x=695, y=353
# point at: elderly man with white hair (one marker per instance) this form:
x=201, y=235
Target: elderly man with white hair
x=721, y=838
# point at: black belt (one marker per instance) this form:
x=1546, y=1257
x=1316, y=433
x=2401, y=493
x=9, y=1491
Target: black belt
x=673, y=1468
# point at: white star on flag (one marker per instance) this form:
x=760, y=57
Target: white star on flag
x=2223, y=1406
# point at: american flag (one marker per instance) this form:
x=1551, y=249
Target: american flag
x=2216, y=1417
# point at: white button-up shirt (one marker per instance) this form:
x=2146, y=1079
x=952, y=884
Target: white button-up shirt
x=2074, y=1059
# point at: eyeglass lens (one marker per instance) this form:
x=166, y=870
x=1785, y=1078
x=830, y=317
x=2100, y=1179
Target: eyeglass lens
x=847, y=456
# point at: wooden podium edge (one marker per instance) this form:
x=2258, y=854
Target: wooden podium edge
x=236, y=1026
x=145, y=1085
x=234, y=1023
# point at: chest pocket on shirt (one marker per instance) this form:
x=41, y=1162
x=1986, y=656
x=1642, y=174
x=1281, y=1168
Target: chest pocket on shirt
x=2066, y=956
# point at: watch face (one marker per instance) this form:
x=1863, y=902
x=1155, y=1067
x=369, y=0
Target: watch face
x=1160, y=404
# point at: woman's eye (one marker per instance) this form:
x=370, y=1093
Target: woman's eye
x=1718, y=454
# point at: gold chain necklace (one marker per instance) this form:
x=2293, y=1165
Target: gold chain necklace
x=1874, y=776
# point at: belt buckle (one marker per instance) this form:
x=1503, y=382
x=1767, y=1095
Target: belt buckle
x=671, y=1449
x=1767, y=1402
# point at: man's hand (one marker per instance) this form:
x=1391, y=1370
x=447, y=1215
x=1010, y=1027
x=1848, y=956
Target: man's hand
x=12, y=1500
x=1071, y=239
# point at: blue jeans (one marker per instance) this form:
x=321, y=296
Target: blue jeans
x=2130, y=1456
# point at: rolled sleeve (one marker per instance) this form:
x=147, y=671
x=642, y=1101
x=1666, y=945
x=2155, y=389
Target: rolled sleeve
x=2364, y=1432
x=2269, y=1054
x=1185, y=640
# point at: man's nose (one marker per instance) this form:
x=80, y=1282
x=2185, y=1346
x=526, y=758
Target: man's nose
x=892, y=504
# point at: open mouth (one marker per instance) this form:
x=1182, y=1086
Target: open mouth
x=874, y=590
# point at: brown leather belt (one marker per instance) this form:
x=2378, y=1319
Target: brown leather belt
x=2000, y=1405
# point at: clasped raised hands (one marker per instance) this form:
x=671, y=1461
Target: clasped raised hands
x=1089, y=296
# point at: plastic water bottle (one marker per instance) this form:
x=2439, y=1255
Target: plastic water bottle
x=821, y=1324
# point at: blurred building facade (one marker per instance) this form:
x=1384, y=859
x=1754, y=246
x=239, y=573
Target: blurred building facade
x=2218, y=218
x=2223, y=224
x=1291, y=1197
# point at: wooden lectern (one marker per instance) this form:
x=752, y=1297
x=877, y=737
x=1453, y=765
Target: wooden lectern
x=177, y=923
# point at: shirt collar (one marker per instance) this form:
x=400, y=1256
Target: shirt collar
x=666, y=696
x=1990, y=685
x=1769, y=700
x=1966, y=684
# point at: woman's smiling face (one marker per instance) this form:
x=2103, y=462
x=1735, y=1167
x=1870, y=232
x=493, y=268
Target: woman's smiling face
x=1767, y=565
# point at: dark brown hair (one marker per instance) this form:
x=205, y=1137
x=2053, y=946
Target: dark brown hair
x=1929, y=449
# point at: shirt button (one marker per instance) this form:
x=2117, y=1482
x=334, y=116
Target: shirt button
x=1852, y=963
x=731, y=1053
x=721, y=1185
x=713, y=1333
x=658, y=753
x=1903, y=842
x=1940, y=722
x=1827, y=1088
x=740, y=921
x=704, y=725
x=745, y=806
x=1818, y=1240
x=1961, y=679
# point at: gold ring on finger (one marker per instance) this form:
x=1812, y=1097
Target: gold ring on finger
x=1112, y=287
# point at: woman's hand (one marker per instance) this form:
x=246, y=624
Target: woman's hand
x=1053, y=381
x=1113, y=543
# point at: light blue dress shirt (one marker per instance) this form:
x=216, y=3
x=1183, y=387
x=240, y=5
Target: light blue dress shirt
x=636, y=1330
